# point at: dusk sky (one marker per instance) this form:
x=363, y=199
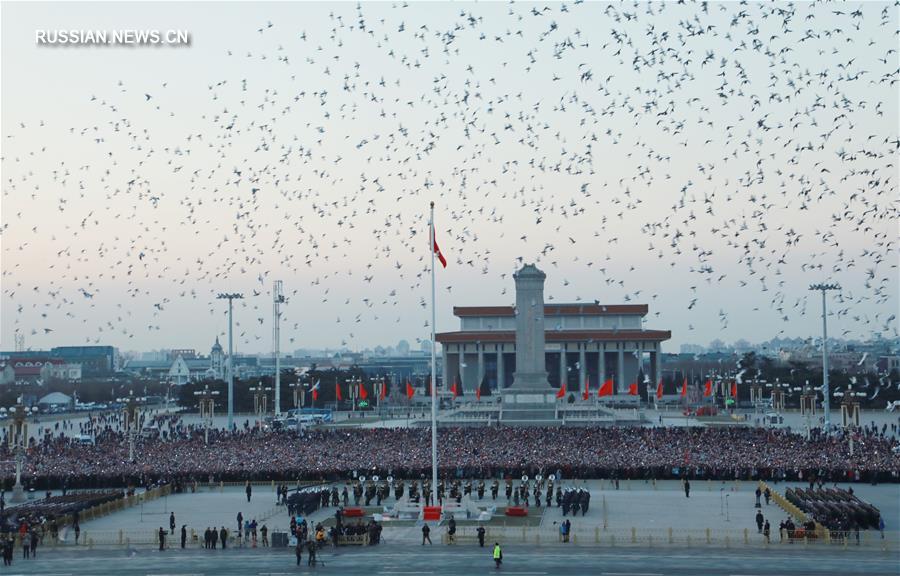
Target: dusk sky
x=709, y=160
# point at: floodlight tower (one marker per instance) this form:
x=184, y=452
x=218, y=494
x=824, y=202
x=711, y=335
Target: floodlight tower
x=278, y=299
x=826, y=404
x=230, y=365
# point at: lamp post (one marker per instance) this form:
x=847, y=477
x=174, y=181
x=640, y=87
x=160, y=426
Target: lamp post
x=826, y=404
x=278, y=299
x=17, y=437
x=299, y=390
x=230, y=364
x=207, y=406
x=260, y=399
x=131, y=421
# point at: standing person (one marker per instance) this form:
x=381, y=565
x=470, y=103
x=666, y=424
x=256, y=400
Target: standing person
x=766, y=531
x=498, y=555
x=451, y=531
x=265, y=535
x=758, y=496
x=77, y=532
x=425, y=534
x=26, y=546
x=34, y=543
x=249, y=491
x=183, y=535
x=298, y=550
x=311, y=560
x=768, y=495
x=172, y=523
x=759, y=521
x=223, y=536
x=240, y=519
x=687, y=488
x=162, y=538
x=481, y=536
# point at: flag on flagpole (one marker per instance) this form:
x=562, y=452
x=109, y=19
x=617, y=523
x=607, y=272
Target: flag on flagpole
x=734, y=390
x=659, y=390
x=337, y=391
x=478, y=391
x=383, y=394
x=633, y=389
x=684, y=389
x=707, y=389
x=315, y=390
x=561, y=393
x=455, y=390
x=362, y=391
x=437, y=250
x=587, y=389
x=410, y=391
x=606, y=389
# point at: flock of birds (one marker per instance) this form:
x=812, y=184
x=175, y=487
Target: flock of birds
x=712, y=159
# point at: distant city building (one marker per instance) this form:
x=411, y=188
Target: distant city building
x=186, y=353
x=217, y=361
x=888, y=363
x=7, y=373
x=94, y=360
x=403, y=348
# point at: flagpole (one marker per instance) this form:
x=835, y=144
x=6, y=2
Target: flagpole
x=434, y=462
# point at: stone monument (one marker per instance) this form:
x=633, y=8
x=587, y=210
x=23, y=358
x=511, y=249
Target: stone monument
x=530, y=398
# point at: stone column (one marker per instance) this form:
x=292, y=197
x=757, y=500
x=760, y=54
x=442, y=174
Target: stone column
x=620, y=372
x=480, y=367
x=563, y=373
x=654, y=367
x=601, y=361
x=444, y=364
x=500, y=373
x=462, y=360
x=582, y=363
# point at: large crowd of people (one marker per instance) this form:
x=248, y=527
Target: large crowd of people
x=179, y=454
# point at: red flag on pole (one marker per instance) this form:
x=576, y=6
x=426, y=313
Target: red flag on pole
x=337, y=391
x=561, y=393
x=383, y=393
x=684, y=388
x=410, y=391
x=455, y=389
x=606, y=389
x=707, y=389
x=362, y=391
x=587, y=389
x=734, y=390
x=438, y=253
x=659, y=390
x=633, y=389
x=478, y=392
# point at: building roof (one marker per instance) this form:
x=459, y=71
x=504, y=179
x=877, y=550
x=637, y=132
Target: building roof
x=556, y=336
x=555, y=310
x=55, y=398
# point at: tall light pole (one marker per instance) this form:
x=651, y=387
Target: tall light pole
x=17, y=437
x=278, y=299
x=230, y=364
x=207, y=409
x=826, y=404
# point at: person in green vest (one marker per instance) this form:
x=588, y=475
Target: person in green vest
x=498, y=555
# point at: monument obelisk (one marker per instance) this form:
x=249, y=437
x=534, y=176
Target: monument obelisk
x=530, y=399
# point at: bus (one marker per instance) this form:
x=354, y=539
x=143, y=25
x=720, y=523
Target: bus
x=311, y=415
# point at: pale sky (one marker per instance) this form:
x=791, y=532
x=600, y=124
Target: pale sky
x=710, y=162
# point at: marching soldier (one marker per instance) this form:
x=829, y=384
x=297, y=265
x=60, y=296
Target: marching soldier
x=495, y=488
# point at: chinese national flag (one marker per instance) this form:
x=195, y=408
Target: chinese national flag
x=684, y=388
x=606, y=389
x=337, y=391
x=707, y=389
x=410, y=391
x=633, y=389
x=315, y=394
x=455, y=389
x=659, y=390
x=587, y=389
x=440, y=256
x=383, y=394
x=478, y=392
x=561, y=393
x=362, y=391
x=734, y=390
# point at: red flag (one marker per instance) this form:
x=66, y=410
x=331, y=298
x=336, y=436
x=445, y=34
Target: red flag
x=337, y=391
x=478, y=392
x=632, y=389
x=606, y=389
x=684, y=388
x=362, y=391
x=455, y=390
x=734, y=390
x=440, y=256
x=659, y=390
x=429, y=387
x=561, y=393
x=383, y=394
x=315, y=392
x=410, y=391
x=587, y=389
x=707, y=390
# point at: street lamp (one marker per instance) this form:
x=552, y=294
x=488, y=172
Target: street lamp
x=299, y=389
x=826, y=404
x=207, y=408
x=17, y=438
x=131, y=421
x=260, y=399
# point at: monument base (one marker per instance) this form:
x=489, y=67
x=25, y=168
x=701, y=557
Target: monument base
x=529, y=407
x=18, y=494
